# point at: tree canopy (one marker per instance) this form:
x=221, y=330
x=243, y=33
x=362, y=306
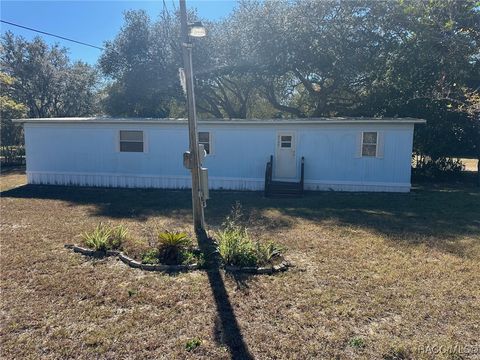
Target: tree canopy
x=45, y=80
x=9, y=109
x=142, y=64
x=308, y=58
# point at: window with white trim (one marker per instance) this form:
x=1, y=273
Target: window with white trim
x=131, y=141
x=369, y=143
x=205, y=139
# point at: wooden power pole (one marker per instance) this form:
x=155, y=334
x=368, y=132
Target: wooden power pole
x=198, y=215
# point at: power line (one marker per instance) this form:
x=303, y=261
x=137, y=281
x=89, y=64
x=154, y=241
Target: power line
x=50, y=34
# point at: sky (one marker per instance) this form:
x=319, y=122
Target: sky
x=92, y=22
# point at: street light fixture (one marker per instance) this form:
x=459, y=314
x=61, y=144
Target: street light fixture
x=197, y=30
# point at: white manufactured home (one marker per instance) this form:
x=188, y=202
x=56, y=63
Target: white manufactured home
x=344, y=154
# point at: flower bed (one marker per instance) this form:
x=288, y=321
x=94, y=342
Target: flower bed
x=174, y=251
x=171, y=251
x=129, y=261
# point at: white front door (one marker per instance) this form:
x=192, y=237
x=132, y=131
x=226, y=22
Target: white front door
x=285, y=167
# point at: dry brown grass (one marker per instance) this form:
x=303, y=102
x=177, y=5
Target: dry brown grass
x=398, y=271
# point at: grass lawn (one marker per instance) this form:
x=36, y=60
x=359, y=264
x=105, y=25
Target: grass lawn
x=12, y=177
x=376, y=276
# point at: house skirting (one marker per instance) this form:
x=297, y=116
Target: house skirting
x=184, y=182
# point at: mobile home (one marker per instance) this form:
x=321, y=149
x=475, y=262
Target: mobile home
x=340, y=154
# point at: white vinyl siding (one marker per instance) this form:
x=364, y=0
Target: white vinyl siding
x=380, y=144
x=87, y=153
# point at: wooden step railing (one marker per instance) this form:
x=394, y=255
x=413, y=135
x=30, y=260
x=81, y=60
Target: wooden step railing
x=270, y=185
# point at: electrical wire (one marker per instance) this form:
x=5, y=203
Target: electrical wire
x=50, y=34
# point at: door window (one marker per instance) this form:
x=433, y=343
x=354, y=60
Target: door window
x=285, y=141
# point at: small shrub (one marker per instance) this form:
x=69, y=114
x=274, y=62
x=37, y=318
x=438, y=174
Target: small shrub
x=441, y=169
x=188, y=257
x=105, y=237
x=192, y=344
x=236, y=248
x=150, y=257
x=200, y=260
x=234, y=245
x=357, y=342
x=234, y=220
x=172, y=246
x=268, y=253
x=118, y=236
x=98, y=238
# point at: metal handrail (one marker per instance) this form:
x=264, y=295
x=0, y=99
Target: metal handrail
x=268, y=175
x=302, y=174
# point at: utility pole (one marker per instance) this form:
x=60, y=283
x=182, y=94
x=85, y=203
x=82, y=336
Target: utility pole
x=198, y=215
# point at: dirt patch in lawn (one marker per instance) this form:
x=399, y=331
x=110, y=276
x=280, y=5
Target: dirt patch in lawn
x=376, y=275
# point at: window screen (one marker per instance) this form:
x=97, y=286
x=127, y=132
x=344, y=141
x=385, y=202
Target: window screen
x=369, y=143
x=131, y=141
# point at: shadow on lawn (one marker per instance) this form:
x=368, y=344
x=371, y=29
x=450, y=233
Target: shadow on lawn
x=226, y=331
x=441, y=214
x=114, y=203
x=435, y=217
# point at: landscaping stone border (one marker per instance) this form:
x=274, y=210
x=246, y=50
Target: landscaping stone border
x=283, y=266
x=90, y=252
x=155, y=267
x=129, y=261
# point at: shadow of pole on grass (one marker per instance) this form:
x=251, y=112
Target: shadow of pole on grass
x=227, y=328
